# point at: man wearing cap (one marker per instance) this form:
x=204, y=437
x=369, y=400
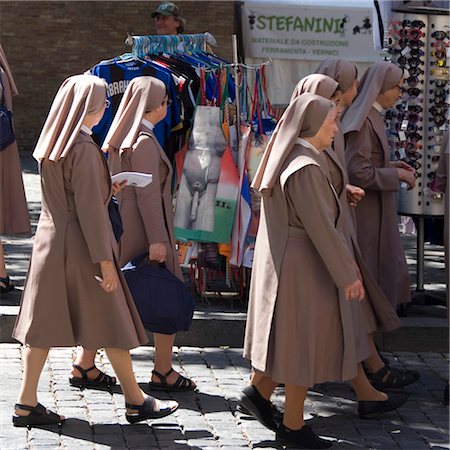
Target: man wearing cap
x=167, y=19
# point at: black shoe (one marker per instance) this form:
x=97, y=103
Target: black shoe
x=258, y=407
x=303, y=438
x=446, y=396
x=374, y=409
x=277, y=414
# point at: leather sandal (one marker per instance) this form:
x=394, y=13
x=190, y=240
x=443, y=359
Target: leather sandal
x=146, y=411
x=8, y=285
x=102, y=381
x=39, y=415
x=182, y=384
x=391, y=377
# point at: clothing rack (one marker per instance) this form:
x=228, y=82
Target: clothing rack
x=144, y=45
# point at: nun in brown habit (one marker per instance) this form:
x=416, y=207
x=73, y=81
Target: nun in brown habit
x=14, y=217
x=63, y=304
x=369, y=166
x=146, y=213
x=378, y=370
x=303, y=279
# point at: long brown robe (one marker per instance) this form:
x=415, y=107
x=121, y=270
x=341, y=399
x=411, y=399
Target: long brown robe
x=378, y=312
x=368, y=163
x=147, y=213
x=14, y=217
x=301, y=263
x=62, y=303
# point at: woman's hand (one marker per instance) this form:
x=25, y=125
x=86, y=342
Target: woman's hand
x=110, y=279
x=157, y=252
x=354, y=291
x=402, y=165
x=117, y=187
x=354, y=194
x=407, y=176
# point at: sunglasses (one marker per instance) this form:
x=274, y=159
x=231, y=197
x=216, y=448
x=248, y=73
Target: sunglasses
x=439, y=83
x=438, y=138
x=438, y=110
x=413, y=136
x=434, y=158
x=413, y=23
x=413, y=91
x=436, y=149
x=416, y=52
x=413, y=81
x=415, y=34
x=439, y=72
x=439, y=63
x=439, y=120
x=415, y=62
x=439, y=35
x=411, y=108
x=414, y=164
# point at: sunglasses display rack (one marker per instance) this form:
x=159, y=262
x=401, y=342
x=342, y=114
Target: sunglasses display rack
x=416, y=125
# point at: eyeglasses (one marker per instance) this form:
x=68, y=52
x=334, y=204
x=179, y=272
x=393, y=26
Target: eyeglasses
x=107, y=103
x=167, y=102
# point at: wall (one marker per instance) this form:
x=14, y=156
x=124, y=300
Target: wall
x=47, y=41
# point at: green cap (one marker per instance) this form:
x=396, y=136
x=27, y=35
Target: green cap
x=166, y=9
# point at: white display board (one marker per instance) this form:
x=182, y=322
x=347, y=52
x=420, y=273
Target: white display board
x=308, y=32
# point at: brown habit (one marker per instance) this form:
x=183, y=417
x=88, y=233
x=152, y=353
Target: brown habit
x=14, y=217
x=62, y=303
x=147, y=213
x=368, y=163
x=301, y=260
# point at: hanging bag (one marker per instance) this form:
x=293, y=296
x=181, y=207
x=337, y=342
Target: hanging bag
x=7, y=136
x=162, y=300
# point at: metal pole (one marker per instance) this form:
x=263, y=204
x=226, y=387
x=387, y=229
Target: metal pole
x=236, y=81
x=420, y=253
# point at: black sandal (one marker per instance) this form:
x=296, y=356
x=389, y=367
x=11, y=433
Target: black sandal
x=145, y=411
x=39, y=415
x=391, y=377
x=182, y=384
x=8, y=285
x=102, y=381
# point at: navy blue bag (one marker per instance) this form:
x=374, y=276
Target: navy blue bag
x=6, y=128
x=163, y=301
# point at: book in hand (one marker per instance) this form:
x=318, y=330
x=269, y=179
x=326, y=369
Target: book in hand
x=135, y=179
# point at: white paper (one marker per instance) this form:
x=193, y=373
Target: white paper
x=135, y=179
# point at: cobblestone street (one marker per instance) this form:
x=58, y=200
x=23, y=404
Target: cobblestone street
x=207, y=419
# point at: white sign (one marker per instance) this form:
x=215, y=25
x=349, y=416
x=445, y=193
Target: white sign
x=308, y=32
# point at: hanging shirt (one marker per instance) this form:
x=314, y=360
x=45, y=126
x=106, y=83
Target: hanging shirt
x=117, y=76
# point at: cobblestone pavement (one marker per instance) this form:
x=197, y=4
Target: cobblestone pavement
x=207, y=419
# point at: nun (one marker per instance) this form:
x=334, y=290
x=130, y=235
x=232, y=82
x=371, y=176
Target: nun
x=303, y=279
x=378, y=369
x=147, y=212
x=74, y=292
x=14, y=217
x=369, y=166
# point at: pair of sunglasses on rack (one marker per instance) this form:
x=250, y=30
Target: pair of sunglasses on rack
x=413, y=62
x=408, y=23
x=409, y=108
x=434, y=158
x=439, y=35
